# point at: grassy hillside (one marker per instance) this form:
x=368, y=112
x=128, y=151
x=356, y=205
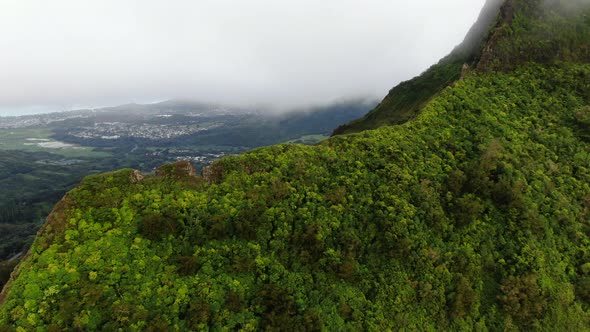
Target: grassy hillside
x=473, y=216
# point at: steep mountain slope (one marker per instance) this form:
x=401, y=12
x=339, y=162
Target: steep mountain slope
x=542, y=31
x=405, y=100
x=473, y=216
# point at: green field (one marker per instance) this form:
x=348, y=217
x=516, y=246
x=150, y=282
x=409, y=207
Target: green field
x=39, y=140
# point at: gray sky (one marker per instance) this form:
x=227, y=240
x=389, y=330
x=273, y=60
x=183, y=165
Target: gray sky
x=65, y=54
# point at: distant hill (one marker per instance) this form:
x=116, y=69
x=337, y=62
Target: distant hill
x=472, y=216
x=194, y=124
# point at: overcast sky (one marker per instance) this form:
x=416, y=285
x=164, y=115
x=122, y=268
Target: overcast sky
x=65, y=54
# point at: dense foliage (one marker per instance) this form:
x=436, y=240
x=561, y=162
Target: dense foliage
x=474, y=216
x=32, y=182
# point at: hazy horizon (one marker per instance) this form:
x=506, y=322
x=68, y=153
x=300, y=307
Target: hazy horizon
x=67, y=54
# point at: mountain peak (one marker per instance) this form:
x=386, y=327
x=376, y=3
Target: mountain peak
x=472, y=42
x=507, y=33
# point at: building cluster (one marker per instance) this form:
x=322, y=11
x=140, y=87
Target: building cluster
x=39, y=120
x=116, y=130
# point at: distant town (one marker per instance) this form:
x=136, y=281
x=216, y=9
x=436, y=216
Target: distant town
x=116, y=130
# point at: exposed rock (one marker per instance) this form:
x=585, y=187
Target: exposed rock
x=507, y=11
x=213, y=173
x=471, y=45
x=136, y=176
x=464, y=70
x=178, y=169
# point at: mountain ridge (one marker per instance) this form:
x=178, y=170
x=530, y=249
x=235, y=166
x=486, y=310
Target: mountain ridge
x=402, y=103
x=472, y=216
x=493, y=43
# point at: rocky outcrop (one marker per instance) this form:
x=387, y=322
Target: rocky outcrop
x=213, y=173
x=178, y=169
x=507, y=11
x=471, y=45
x=464, y=71
x=136, y=176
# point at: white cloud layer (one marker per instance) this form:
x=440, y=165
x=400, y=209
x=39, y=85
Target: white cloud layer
x=63, y=54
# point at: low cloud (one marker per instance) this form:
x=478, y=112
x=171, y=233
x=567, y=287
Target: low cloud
x=571, y=5
x=69, y=53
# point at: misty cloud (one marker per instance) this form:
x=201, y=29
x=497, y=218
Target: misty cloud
x=74, y=53
x=568, y=4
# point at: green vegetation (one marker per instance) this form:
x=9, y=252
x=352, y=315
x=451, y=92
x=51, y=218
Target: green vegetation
x=473, y=216
x=31, y=183
x=470, y=217
x=405, y=100
x=39, y=140
x=543, y=31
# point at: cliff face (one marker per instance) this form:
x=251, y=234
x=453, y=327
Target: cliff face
x=473, y=216
x=539, y=31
